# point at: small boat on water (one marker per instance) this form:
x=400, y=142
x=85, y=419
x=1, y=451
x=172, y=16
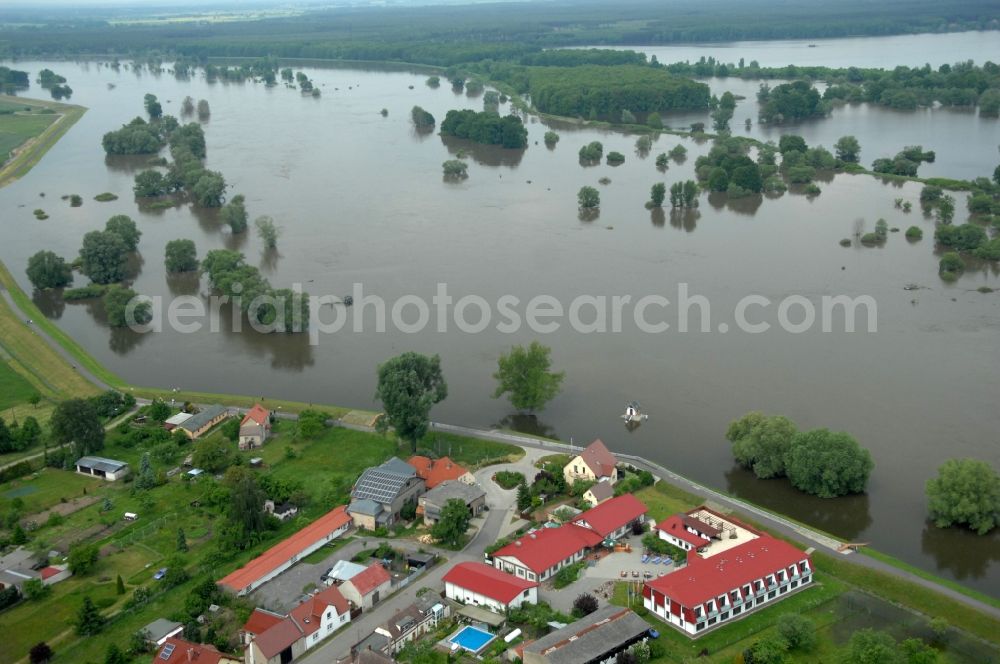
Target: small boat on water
x=633, y=413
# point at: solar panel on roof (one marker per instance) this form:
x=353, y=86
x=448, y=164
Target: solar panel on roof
x=168, y=650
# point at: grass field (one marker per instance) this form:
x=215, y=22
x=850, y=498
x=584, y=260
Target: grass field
x=46, y=130
x=17, y=128
x=14, y=389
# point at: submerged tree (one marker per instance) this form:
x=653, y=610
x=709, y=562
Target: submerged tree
x=268, y=231
x=408, y=386
x=526, y=377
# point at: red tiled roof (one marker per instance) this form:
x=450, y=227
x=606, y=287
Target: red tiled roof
x=707, y=578
x=280, y=636
x=699, y=525
x=599, y=458
x=612, y=514
x=312, y=609
x=49, y=572
x=546, y=547
x=199, y=653
x=674, y=525
x=260, y=621
x=435, y=471
x=367, y=581
x=488, y=581
x=257, y=414
x=283, y=551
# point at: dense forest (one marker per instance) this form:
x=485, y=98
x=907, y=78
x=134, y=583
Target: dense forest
x=446, y=35
x=487, y=128
x=594, y=90
x=12, y=80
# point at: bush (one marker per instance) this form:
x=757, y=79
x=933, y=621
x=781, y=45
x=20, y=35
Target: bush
x=508, y=479
x=455, y=168
x=551, y=138
x=914, y=233
x=951, y=266
x=812, y=189
x=966, y=237
x=567, y=575
x=798, y=631
x=588, y=198
x=593, y=151
x=584, y=605
x=616, y=158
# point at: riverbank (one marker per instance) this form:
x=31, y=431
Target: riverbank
x=34, y=148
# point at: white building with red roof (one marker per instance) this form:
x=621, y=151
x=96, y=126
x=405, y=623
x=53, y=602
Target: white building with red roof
x=369, y=587
x=540, y=554
x=595, y=463
x=255, y=427
x=727, y=575
x=613, y=518
x=274, y=639
x=482, y=585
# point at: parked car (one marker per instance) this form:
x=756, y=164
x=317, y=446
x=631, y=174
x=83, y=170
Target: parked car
x=160, y=573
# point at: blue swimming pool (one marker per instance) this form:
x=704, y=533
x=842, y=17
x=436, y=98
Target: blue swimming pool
x=471, y=638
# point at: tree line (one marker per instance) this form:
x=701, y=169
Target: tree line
x=461, y=34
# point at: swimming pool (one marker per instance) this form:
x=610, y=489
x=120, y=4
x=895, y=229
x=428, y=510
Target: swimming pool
x=471, y=638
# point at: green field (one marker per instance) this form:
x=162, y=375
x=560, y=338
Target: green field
x=17, y=128
x=14, y=389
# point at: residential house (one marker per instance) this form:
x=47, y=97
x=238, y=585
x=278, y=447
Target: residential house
x=412, y=622
x=201, y=422
x=108, y=469
x=341, y=571
x=613, y=518
x=381, y=492
x=21, y=565
x=369, y=587
x=161, y=629
x=598, y=493
x=286, y=553
x=435, y=471
x=176, y=650
x=482, y=585
x=717, y=589
x=283, y=511
x=594, y=464
x=255, y=427
x=597, y=638
x=274, y=639
x=431, y=503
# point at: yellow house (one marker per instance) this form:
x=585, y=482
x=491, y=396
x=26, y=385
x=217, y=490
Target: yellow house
x=596, y=463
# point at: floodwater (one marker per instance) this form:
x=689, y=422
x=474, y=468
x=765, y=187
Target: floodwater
x=361, y=199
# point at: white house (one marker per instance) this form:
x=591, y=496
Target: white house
x=108, y=469
x=595, y=463
x=482, y=585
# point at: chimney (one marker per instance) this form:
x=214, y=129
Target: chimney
x=190, y=654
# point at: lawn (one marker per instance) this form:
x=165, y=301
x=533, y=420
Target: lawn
x=470, y=452
x=14, y=389
x=17, y=128
x=664, y=499
x=31, y=357
x=46, y=488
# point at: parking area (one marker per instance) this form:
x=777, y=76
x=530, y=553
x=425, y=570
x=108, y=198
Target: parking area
x=612, y=565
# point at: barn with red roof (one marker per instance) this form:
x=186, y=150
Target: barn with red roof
x=367, y=588
x=286, y=553
x=481, y=585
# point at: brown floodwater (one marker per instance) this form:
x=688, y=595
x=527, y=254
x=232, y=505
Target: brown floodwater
x=361, y=199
